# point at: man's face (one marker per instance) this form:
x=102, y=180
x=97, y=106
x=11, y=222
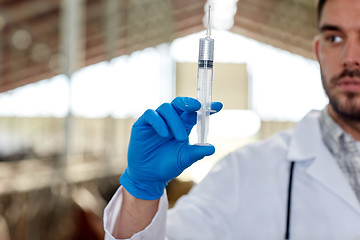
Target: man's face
x=338, y=51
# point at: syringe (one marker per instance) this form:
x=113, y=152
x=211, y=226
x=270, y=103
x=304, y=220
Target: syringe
x=204, y=84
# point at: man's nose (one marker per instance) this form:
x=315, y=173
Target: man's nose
x=351, y=57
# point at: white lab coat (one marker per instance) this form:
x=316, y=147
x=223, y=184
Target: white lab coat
x=245, y=195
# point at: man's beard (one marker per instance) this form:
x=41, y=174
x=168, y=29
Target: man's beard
x=345, y=106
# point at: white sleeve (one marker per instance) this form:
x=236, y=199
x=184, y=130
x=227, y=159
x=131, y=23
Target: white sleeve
x=155, y=230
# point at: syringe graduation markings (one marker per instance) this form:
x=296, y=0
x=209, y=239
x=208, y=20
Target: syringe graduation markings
x=204, y=83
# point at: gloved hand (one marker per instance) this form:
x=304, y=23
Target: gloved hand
x=159, y=148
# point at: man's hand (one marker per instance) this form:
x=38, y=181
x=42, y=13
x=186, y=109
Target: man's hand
x=159, y=148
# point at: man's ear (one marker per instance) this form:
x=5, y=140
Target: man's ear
x=316, y=46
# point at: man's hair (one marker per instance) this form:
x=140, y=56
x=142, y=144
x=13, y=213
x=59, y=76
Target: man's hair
x=320, y=8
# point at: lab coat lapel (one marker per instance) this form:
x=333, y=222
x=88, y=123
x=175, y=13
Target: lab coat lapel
x=323, y=167
x=325, y=170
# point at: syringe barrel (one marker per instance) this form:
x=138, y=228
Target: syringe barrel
x=204, y=87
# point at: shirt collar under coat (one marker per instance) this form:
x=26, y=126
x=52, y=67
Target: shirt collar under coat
x=308, y=147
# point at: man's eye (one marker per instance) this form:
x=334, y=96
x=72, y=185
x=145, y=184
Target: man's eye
x=333, y=39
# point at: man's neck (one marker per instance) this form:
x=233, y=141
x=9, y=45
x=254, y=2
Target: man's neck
x=352, y=127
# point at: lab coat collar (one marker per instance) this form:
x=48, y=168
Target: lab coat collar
x=307, y=145
x=306, y=139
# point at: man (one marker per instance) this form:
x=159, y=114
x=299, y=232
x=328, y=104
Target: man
x=298, y=184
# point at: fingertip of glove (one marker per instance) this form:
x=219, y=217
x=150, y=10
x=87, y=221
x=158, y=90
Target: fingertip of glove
x=187, y=103
x=193, y=104
x=209, y=149
x=203, y=150
x=217, y=106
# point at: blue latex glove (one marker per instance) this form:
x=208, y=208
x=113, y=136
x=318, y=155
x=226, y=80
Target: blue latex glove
x=159, y=148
